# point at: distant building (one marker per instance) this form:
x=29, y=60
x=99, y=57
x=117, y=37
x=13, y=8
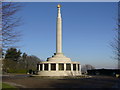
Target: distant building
x=108, y=72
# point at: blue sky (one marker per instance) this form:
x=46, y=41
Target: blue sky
x=88, y=30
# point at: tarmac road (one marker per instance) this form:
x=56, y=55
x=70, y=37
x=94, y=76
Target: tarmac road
x=24, y=81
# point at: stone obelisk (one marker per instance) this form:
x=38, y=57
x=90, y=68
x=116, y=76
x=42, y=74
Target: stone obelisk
x=58, y=56
x=59, y=32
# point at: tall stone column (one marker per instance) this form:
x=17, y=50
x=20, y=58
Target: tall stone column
x=42, y=67
x=64, y=66
x=59, y=32
x=58, y=55
x=76, y=67
x=80, y=69
x=39, y=67
x=71, y=67
x=49, y=67
x=56, y=66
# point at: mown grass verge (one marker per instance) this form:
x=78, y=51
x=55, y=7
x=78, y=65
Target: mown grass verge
x=7, y=86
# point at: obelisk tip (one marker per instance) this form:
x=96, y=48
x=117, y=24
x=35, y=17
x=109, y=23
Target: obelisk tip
x=58, y=6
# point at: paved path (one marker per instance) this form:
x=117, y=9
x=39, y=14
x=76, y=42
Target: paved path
x=37, y=82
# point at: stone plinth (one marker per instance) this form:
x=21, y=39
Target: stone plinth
x=59, y=57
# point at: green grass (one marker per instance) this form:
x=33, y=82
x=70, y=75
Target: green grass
x=17, y=71
x=5, y=86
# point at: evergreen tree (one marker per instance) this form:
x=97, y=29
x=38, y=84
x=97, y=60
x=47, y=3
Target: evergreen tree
x=24, y=56
x=13, y=54
x=14, y=62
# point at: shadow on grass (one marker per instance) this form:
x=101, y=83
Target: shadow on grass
x=7, y=86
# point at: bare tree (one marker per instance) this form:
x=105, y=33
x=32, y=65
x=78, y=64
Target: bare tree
x=118, y=36
x=9, y=34
x=87, y=67
x=116, y=43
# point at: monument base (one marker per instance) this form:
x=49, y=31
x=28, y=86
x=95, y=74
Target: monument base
x=58, y=57
x=59, y=73
x=53, y=68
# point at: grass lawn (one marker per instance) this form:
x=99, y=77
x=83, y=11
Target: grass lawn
x=4, y=85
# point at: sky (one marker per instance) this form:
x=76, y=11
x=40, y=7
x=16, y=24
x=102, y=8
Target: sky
x=88, y=30
x=60, y=0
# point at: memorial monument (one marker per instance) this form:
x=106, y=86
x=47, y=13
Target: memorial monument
x=58, y=64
